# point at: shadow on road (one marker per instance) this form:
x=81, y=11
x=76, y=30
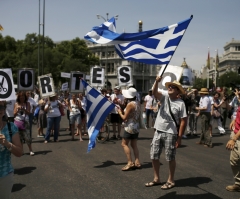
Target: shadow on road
x=217, y=144
x=18, y=187
x=42, y=152
x=24, y=170
x=188, y=196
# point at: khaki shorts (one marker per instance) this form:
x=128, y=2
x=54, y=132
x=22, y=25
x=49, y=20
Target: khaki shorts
x=163, y=140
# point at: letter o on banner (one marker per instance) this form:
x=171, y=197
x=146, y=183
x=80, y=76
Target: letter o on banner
x=171, y=73
x=26, y=79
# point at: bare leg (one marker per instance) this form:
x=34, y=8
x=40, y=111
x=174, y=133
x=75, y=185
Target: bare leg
x=127, y=150
x=114, y=129
x=80, y=132
x=119, y=129
x=135, y=151
x=172, y=167
x=73, y=129
x=156, y=168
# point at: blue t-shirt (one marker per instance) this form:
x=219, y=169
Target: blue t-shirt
x=5, y=154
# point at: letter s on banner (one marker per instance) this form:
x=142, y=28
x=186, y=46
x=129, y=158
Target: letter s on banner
x=46, y=85
x=171, y=73
x=7, y=91
x=124, y=75
x=26, y=79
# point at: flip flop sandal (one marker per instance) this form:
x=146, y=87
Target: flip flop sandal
x=153, y=183
x=168, y=185
x=128, y=167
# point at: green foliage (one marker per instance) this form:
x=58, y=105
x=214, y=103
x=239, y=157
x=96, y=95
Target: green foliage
x=61, y=57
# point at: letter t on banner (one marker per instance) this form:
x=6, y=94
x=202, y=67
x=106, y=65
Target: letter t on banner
x=75, y=81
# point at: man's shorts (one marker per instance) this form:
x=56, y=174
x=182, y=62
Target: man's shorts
x=75, y=118
x=166, y=140
x=115, y=118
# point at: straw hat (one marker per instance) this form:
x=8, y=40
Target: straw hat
x=203, y=91
x=177, y=84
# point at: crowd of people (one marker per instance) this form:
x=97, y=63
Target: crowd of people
x=174, y=116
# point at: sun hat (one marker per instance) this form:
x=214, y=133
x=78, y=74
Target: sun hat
x=177, y=84
x=130, y=93
x=117, y=87
x=203, y=91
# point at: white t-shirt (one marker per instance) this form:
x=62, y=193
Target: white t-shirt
x=32, y=104
x=83, y=103
x=74, y=107
x=120, y=100
x=164, y=121
x=206, y=101
x=53, y=111
x=36, y=98
x=148, y=99
x=10, y=108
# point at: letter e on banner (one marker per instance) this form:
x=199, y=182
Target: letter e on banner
x=171, y=73
x=46, y=85
x=26, y=79
x=7, y=91
x=97, y=76
x=124, y=75
x=75, y=81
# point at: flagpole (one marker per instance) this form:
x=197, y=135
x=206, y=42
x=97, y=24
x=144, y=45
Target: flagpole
x=207, y=78
x=176, y=48
x=216, y=71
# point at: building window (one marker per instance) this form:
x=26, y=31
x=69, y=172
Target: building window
x=237, y=48
x=112, y=67
x=103, y=54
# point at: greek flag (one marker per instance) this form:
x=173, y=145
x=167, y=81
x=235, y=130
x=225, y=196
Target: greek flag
x=151, y=47
x=98, y=107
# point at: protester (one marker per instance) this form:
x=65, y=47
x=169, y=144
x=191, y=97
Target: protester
x=192, y=117
x=216, y=110
x=83, y=102
x=75, y=115
x=130, y=116
x=53, y=117
x=224, y=106
x=9, y=144
x=235, y=103
x=21, y=119
x=118, y=99
x=65, y=103
x=33, y=105
x=42, y=118
x=170, y=126
x=147, y=106
x=234, y=145
x=204, y=110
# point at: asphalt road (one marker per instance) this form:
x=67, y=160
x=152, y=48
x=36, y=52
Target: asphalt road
x=65, y=170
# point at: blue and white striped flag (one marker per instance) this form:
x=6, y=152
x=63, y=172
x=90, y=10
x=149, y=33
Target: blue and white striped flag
x=150, y=47
x=98, y=108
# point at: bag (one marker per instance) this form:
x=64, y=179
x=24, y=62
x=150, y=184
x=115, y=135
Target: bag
x=83, y=114
x=216, y=114
x=20, y=125
x=36, y=112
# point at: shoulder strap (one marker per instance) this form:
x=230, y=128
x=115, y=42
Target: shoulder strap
x=9, y=129
x=172, y=113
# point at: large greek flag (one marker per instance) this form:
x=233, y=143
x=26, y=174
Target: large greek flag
x=98, y=107
x=150, y=47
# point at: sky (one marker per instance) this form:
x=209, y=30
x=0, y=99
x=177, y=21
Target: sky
x=214, y=23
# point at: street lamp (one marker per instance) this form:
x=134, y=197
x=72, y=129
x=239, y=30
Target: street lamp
x=106, y=67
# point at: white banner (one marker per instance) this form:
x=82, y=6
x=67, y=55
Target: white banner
x=66, y=75
x=46, y=85
x=124, y=75
x=7, y=91
x=26, y=79
x=171, y=73
x=97, y=76
x=65, y=86
x=75, y=81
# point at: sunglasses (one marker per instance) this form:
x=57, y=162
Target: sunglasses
x=172, y=87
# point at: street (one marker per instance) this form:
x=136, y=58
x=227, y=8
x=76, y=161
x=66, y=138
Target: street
x=65, y=170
